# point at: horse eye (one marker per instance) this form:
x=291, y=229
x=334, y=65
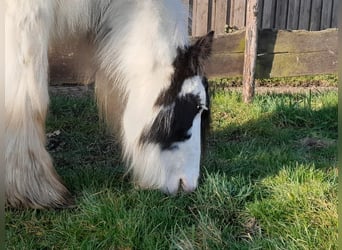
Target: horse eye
x=201, y=107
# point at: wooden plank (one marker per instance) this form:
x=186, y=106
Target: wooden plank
x=281, y=15
x=223, y=65
x=239, y=14
x=281, y=53
x=334, y=21
x=315, y=21
x=326, y=14
x=260, y=13
x=296, y=64
x=277, y=65
x=229, y=43
x=297, y=41
x=304, y=14
x=200, y=17
x=230, y=13
x=268, y=14
x=251, y=46
x=293, y=15
x=286, y=53
x=219, y=14
x=227, y=55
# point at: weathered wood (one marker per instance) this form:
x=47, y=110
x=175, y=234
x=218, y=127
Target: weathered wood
x=297, y=64
x=260, y=12
x=334, y=21
x=219, y=14
x=316, y=8
x=238, y=14
x=276, y=14
x=296, y=41
x=293, y=15
x=326, y=14
x=281, y=15
x=224, y=65
x=227, y=55
x=280, y=53
x=251, y=43
x=268, y=14
x=200, y=17
x=229, y=43
x=304, y=20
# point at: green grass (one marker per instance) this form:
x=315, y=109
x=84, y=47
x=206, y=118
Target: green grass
x=269, y=181
x=322, y=80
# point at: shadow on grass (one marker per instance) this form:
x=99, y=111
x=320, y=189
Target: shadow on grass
x=287, y=131
x=84, y=154
x=290, y=133
x=248, y=143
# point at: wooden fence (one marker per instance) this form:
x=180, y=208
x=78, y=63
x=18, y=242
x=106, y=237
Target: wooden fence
x=280, y=52
x=230, y=15
x=296, y=37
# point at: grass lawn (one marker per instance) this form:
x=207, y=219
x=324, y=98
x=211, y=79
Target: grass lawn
x=268, y=181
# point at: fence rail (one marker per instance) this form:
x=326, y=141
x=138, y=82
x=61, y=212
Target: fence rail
x=228, y=15
x=279, y=53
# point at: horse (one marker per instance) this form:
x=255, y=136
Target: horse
x=150, y=88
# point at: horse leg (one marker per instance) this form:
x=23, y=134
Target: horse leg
x=31, y=180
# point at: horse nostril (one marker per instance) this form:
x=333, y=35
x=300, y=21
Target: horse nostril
x=181, y=183
x=173, y=189
x=186, y=188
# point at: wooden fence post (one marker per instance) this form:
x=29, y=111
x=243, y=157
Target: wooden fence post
x=251, y=44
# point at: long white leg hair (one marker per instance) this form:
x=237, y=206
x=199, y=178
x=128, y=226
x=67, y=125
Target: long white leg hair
x=30, y=177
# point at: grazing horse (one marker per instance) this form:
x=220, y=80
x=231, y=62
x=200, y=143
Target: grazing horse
x=149, y=86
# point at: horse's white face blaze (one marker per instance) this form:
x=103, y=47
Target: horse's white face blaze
x=173, y=140
x=163, y=135
x=182, y=158
x=183, y=162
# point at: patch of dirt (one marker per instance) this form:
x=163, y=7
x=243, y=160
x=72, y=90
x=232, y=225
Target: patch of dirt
x=316, y=142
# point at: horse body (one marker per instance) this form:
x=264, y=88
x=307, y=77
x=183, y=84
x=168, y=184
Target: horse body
x=148, y=82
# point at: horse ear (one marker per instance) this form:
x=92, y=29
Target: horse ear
x=201, y=50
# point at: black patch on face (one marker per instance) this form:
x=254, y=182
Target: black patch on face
x=173, y=123
x=188, y=63
x=176, y=117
